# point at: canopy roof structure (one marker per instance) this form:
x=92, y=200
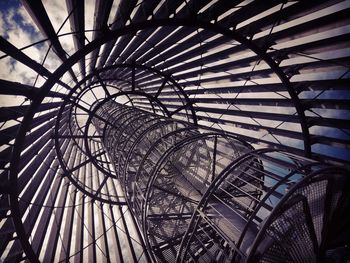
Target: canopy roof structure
x=272, y=74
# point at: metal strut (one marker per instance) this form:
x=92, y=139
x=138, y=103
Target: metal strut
x=205, y=196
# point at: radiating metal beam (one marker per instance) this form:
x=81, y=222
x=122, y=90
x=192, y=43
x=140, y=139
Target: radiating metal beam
x=39, y=15
x=18, y=55
x=15, y=88
x=77, y=21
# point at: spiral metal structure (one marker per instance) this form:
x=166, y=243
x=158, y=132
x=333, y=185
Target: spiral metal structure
x=205, y=196
x=166, y=167
x=174, y=131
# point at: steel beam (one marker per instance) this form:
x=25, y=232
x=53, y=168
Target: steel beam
x=39, y=15
x=77, y=21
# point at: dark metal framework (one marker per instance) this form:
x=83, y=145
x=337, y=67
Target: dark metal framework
x=202, y=196
x=274, y=74
x=165, y=166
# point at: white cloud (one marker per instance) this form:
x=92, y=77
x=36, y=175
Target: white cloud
x=16, y=71
x=18, y=35
x=2, y=26
x=27, y=20
x=57, y=12
x=18, y=28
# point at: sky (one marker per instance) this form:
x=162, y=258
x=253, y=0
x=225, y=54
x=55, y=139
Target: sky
x=17, y=27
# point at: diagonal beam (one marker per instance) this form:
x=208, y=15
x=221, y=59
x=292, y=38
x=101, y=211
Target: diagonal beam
x=18, y=55
x=181, y=108
x=102, y=84
x=39, y=15
x=77, y=21
x=8, y=113
x=102, y=10
x=90, y=159
x=120, y=18
x=15, y=88
x=160, y=88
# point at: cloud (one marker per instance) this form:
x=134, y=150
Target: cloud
x=57, y=12
x=2, y=26
x=18, y=28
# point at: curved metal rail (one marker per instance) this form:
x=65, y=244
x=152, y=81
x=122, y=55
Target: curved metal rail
x=204, y=196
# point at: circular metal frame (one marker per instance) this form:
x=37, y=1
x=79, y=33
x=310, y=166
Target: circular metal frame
x=54, y=78
x=86, y=142
x=274, y=213
x=327, y=172
x=165, y=156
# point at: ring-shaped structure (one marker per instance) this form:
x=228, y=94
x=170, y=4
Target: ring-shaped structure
x=54, y=78
x=251, y=243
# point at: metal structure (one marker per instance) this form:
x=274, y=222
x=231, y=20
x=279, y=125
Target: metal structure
x=176, y=130
x=165, y=167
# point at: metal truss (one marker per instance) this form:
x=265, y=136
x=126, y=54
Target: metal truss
x=266, y=75
x=204, y=196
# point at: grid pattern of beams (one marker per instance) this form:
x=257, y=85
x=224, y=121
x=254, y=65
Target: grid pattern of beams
x=274, y=73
